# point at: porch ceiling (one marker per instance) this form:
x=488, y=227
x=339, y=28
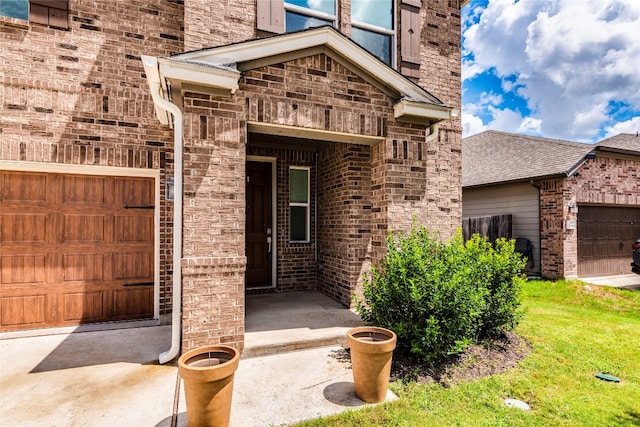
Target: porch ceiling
x=218, y=70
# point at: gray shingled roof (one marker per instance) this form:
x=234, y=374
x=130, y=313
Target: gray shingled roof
x=625, y=142
x=493, y=157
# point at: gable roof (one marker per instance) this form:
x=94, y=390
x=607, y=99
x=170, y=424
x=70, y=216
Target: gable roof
x=493, y=157
x=219, y=69
x=625, y=143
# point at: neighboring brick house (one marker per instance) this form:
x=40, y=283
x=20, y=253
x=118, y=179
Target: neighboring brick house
x=296, y=153
x=578, y=203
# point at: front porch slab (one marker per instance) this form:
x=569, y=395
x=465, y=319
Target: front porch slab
x=282, y=322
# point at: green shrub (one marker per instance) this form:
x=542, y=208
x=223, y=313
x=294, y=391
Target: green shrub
x=439, y=297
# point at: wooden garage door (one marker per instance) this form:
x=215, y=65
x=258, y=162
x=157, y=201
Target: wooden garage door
x=74, y=249
x=605, y=236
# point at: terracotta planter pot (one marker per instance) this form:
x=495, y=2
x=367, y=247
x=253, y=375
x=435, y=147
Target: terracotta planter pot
x=371, y=351
x=207, y=373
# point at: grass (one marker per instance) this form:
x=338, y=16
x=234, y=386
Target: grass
x=575, y=333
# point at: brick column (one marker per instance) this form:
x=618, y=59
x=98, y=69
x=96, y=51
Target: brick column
x=558, y=246
x=213, y=264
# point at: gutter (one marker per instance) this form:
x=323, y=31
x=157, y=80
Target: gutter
x=151, y=69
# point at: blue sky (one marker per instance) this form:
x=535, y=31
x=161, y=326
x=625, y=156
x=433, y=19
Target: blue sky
x=566, y=69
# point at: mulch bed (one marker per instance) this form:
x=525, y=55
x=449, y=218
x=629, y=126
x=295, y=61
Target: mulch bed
x=490, y=358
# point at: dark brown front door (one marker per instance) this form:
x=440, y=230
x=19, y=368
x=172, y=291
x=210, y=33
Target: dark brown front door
x=75, y=249
x=259, y=228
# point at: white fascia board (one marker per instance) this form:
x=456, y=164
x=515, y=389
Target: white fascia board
x=150, y=64
x=199, y=74
x=416, y=112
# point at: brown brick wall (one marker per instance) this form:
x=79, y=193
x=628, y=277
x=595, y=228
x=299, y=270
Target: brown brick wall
x=605, y=180
x=216, y=23
x=553, y=212
x=214, y=221
x=345, y=219
x=79, y=96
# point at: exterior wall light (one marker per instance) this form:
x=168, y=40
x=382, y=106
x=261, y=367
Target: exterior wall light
x=169, y=189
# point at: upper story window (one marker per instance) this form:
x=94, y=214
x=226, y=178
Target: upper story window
x=301, y=14
x=386, y=28
x=372, y=27
x=48, y=12
x=18, y=9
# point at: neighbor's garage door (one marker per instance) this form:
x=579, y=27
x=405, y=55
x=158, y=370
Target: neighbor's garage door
x=74, y=249
x=605, y=236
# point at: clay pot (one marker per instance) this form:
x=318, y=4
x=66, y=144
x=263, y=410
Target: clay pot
x=371, y=351
x=207, y=373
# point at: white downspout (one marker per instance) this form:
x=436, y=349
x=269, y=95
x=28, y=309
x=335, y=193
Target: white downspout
x=176, y=311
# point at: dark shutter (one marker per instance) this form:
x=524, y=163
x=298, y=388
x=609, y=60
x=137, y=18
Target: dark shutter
x=410, y=38
x=270, y=15
x=49, y=12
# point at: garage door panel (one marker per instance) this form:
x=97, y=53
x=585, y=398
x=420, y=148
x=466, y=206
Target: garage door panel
x=84, y=306
x=23, y=228
x=24, y=311
x=133, y=266
x=84, y=267
x=133, y=228
x=27, y=188
x=135, y=302
x=84, y=228
x=23, y=269
x=133, y=192
x=84, y=190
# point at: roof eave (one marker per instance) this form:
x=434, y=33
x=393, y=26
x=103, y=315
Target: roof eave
x=408, y=111
x=516, y=180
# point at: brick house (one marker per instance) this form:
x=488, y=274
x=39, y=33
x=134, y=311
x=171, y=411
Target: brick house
x=579, y=204
x=283, y=140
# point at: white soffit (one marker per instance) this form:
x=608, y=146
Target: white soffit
x=308, y=133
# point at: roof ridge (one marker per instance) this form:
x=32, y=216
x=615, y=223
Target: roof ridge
x=539, y=138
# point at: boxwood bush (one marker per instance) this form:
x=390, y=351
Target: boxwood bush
x=439, y=297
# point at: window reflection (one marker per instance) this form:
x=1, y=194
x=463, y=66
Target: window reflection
x=296, y=21
x=15, y=9
x=373, y=12
x=326, y=6
x=376, y=43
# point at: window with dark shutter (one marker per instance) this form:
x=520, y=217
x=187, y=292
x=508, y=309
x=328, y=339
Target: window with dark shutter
x=410, y=38
x=49, y=12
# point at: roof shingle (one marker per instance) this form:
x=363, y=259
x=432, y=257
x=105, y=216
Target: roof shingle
x=493, y=157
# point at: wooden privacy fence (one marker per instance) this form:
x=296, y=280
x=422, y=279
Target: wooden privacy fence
x=491, y=226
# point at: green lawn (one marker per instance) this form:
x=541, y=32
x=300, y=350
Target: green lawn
x=575, y=334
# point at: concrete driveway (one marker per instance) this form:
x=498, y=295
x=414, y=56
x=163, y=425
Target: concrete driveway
x=622, y=281
x=112, y=377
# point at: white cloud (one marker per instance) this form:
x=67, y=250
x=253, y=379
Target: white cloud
x=530, y=126
x=471, y=125
x=629, y=126
x=570, y=59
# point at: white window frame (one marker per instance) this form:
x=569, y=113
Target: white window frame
x=310, y=12
x=297, y=204
x=385, y=31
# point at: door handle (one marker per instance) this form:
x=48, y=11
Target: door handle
x=269, y=243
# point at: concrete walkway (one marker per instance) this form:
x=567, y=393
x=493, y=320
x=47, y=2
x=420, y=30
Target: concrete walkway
x=111, y=377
